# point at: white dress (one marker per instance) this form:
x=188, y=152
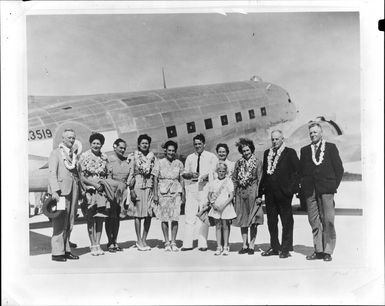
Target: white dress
x=228, y=188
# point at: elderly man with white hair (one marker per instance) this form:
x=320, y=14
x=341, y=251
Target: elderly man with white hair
x=63, y=185
x=321, y=171
x=280, y=181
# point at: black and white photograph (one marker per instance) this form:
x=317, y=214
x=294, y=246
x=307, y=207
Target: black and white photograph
x=192, y=153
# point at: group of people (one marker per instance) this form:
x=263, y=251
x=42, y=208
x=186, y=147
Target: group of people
x=213, y=190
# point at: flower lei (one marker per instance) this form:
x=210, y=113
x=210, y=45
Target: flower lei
x=321, y=156
x=245, y=173
x=93, y=165
x=271, y=165
x=68, y=163
x=144, y=163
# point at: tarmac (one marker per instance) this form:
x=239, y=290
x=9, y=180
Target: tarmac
x=195, y=277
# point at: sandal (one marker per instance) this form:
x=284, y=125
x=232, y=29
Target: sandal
x=94, y=251
x=218, y=251
x=99, y=250
x=174, y=248
x=226, y=251
x=139, y=247
x=167, y=247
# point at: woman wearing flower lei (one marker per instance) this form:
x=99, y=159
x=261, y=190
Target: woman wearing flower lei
x=145, y=192
x=93, y=169
x=246, y=177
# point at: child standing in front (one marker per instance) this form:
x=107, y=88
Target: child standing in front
x=220, y=196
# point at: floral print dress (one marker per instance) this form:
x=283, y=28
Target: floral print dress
x=246, y=177
x=145, y=168
x=94, y=168
x=169, y=190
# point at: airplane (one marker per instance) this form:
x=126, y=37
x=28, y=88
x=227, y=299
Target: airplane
x=222, y=112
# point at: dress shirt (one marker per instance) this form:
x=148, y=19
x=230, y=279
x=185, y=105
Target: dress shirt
x=208, y=162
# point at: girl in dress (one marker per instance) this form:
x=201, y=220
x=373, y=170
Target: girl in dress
x=220, y=196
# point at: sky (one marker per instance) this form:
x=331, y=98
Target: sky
x=314, y=56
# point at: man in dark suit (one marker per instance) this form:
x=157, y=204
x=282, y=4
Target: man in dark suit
x=280, y=181
x=321, y=174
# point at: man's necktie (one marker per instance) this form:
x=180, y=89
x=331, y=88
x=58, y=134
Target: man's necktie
x=70, y=154
x=199, y=159
x=317, y=151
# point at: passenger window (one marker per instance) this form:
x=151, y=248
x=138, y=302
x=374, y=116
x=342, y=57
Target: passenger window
x=263, y=111
x=171, y=131
x=208, y=124
x=224, y=120
x=191, y=127
x=251, y=114
x=238, y=117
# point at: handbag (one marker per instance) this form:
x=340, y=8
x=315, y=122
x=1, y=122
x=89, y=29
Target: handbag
x=203, y=215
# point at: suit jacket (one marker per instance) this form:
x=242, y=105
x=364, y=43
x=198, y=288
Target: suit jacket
x=324, y=178
x=286, y=174
x=59, y=177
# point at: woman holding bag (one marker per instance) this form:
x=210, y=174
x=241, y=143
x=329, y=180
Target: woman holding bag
x=246, y=178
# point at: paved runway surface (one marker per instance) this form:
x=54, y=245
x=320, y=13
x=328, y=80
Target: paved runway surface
x=194, y=277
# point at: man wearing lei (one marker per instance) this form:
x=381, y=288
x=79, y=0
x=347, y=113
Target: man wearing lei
x=280, y=181
x=63, y=181
x=321, y=174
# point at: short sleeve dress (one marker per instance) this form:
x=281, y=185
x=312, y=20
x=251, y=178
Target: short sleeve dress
x=220, y=191
x=94, y=168
x=246, y=178
x=145, y=168
x=169, y=190
x=121, y=171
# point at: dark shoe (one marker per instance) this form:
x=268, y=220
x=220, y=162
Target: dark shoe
x=202, y=249
x=250, y=251
x=59, y=258
x=118, y=248
x=270, y=252
x=186, y=249
x=327, y=257
x=315, y=256
x=243, y=251
x=69, y=255
x=73, y=245
x=284, y=255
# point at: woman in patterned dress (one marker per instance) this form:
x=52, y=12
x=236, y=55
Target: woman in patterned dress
x=93, y=169
x=246, y=177
x=120, y=170
x=171, y=194
x=145, y=193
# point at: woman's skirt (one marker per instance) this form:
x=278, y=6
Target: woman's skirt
x=92, y=203
x=247, y=210
x=144, y=204
x=169, y=207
